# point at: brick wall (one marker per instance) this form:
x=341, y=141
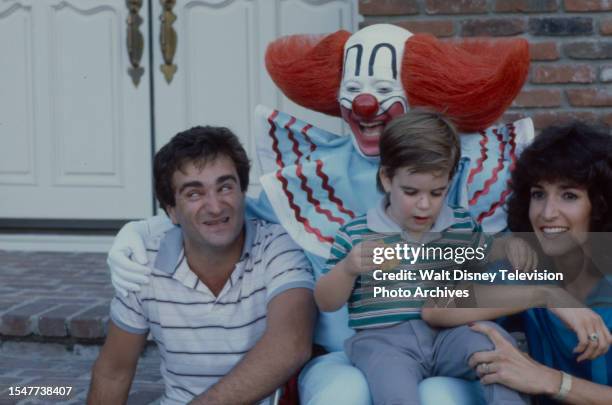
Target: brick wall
x=570, y=42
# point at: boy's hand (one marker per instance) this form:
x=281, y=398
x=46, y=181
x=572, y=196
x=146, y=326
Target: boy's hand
x=361, y=259
x=521, y=254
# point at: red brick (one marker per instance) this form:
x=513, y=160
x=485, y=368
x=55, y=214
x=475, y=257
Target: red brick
x=53, y=323
x=607, y=119
x=588, y=50
x=20, y=321
x=493, y=27
x=439, y=28
x=90, y=324
x=605, y=26
x=455, y=6
x=589, y=97
x=525, y=6
x=588, y=5
x=388, y=7
x=605, y=73
x=538, y=98
x=544, y=119
x=543, y=51
x=13, y=325
x=561, y=26
x=563, y=74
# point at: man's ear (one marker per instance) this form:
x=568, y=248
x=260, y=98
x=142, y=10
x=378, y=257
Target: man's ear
x=385, y=181
x=171, y=211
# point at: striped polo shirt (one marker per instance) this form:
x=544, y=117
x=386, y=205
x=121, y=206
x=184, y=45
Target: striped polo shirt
x=453, y=228
x=200, y=336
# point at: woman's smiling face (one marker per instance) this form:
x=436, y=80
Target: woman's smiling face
x=560, y=216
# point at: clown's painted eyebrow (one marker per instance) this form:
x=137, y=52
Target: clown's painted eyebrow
x=359, y=48
x=373, y=58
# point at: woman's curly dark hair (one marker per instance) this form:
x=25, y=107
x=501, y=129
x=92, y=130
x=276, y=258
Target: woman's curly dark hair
x=576, y=153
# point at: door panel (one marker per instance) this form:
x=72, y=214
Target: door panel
x=76, y=144
x=76, y=134
x=17, y=162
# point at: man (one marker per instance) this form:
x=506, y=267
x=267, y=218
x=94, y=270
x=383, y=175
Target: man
x=229, y=301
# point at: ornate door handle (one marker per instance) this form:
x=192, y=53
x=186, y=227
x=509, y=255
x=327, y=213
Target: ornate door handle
x=167, y=39
x=135, y=40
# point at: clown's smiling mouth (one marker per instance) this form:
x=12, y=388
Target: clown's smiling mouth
x=368, y=132
x=369, y=129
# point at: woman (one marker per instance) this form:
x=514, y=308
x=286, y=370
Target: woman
x=562, y=192
x=562, y=196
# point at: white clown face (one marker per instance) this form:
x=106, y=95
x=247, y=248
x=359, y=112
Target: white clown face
x=371, y=92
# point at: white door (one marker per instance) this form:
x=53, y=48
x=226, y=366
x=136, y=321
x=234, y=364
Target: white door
x=220, y=75
x=75, y=132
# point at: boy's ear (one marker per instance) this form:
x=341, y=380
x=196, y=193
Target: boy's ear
x=385, y=181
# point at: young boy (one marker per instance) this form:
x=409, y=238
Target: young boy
x=393, y=346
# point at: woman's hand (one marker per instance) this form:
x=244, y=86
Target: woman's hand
x=594, y=337
x=520, y=254
x=508, y=366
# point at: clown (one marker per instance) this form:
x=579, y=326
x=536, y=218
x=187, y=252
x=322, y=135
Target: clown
x=315, y=180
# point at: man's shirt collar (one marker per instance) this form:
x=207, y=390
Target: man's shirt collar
x=171, y=248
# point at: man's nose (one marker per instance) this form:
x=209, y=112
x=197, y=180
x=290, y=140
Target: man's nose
x=365, y=106
x=213, y=204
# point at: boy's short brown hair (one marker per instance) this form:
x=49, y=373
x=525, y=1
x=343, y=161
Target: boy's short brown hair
x=422, y=140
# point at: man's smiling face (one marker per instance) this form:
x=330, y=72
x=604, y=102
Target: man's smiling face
x=209, y=204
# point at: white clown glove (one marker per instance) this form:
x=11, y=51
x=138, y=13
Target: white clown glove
x=127, y=257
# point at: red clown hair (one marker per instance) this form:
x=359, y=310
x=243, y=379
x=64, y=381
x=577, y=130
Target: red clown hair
x=472, y=82
x=308, y=69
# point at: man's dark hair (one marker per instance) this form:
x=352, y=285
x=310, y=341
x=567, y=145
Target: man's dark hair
x=578, y=154
x=199, y=145
x=422, y=140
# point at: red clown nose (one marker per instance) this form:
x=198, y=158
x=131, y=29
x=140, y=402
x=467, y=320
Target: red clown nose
x=365, y=106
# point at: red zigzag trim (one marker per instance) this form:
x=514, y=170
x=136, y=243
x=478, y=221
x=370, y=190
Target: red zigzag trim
x=290, y=198
x=295, y=148
x=304, y=181
x=483, y=156
x=304, y=132
x=324, y=179
x=491, y=180
x=506, y=193
x=330, y=190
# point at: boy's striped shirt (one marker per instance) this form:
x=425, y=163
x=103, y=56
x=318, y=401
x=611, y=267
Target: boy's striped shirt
x=456, y=230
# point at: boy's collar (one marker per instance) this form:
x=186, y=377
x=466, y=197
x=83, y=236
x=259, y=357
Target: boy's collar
x=379, y=221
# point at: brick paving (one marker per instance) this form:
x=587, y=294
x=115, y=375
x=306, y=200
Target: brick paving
x=53, y=316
